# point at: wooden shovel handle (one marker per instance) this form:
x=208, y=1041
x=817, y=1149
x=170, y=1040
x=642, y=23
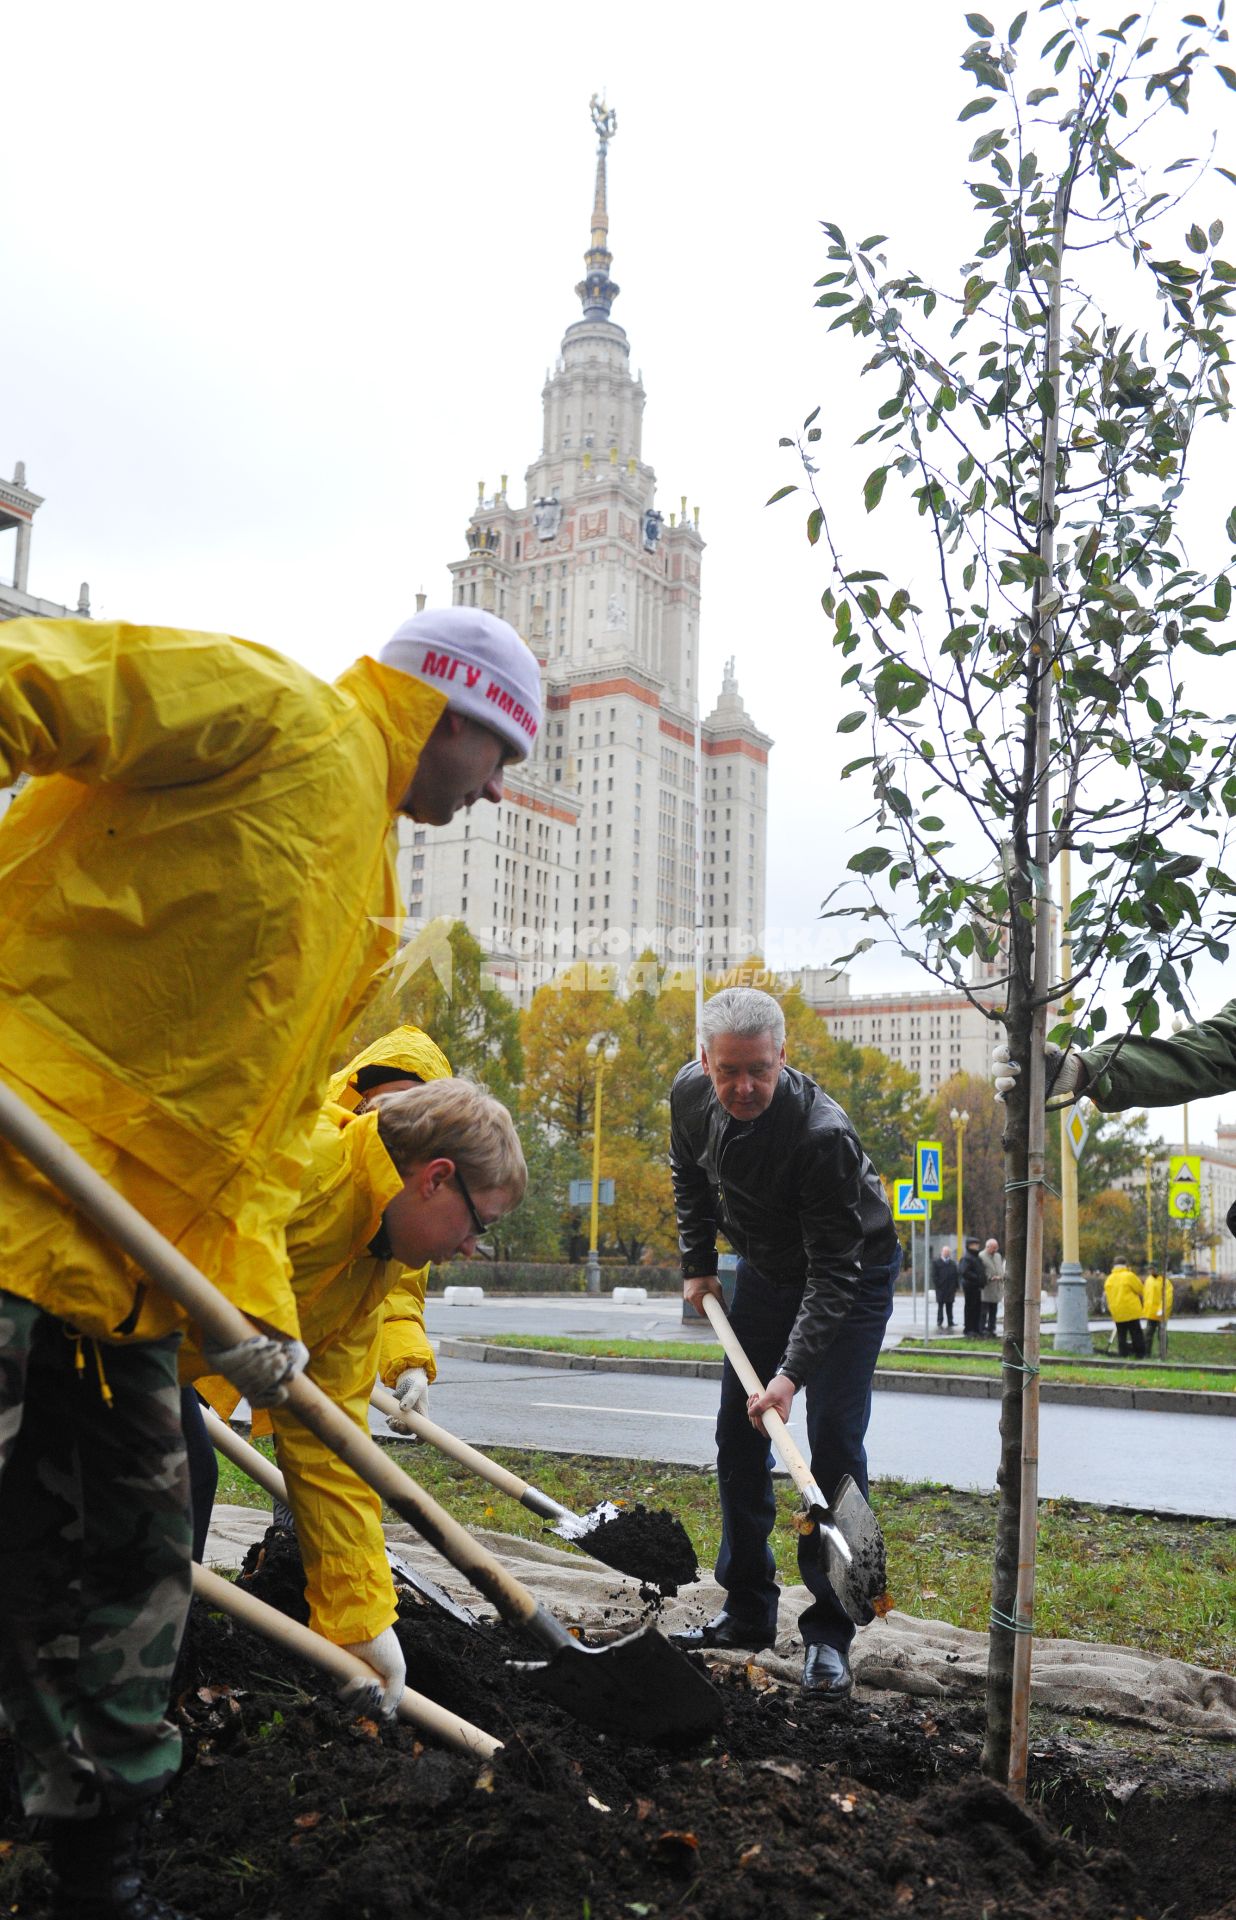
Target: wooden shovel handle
x=337, y=1662
x=227, y=1326
x=228, y=1442
x=784, y=1445
x=425, y=1429
x=471, y=1457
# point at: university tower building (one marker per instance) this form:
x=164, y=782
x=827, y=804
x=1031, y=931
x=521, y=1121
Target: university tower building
x=592, y=852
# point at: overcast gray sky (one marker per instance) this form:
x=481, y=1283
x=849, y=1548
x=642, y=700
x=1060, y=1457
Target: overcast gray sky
x=282, y=282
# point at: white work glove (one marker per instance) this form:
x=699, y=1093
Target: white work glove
x=412, y=1393
x=1062, y=1079
x=259, y=1367
x=385, y=1656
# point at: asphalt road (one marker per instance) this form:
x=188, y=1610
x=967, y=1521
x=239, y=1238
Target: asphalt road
x=1173, y=1463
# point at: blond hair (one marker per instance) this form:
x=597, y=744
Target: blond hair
x=452, y=1120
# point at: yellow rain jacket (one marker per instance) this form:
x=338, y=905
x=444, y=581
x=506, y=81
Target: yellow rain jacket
x=341, y=1291
x=191, y=895
x=1152, y=1298
x=1122, y=1291
x=404, y=1340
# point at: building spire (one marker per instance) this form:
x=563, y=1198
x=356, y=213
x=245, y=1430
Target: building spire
x=596, y=290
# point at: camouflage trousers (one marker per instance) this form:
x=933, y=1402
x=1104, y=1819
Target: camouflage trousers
x=95, y=1572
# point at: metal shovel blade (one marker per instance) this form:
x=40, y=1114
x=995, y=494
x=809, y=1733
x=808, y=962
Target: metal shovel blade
x=639, y=1687
x=430, y=1591
x=860, y=1583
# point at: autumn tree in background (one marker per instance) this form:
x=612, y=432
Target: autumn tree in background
x=983, y=1158
x=471, y=1020
x=1023, y=649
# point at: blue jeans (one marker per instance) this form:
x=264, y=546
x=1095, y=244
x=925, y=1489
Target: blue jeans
x=838, y=1410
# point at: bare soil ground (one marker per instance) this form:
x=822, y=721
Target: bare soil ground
x=289, y=1809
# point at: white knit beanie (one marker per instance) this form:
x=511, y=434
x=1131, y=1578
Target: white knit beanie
x=480, y=663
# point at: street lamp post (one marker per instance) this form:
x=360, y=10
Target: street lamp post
x=960, y=1122
x=1072, y=1306
x=602, y=1048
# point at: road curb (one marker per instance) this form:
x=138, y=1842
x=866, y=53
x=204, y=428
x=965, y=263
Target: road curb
x=955, y=1386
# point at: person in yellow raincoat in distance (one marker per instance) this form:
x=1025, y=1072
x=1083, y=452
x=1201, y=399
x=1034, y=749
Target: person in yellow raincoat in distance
x=197, y=886
x=412, y=1175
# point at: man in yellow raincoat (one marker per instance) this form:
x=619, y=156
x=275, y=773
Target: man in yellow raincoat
x=407, y=1362
x=1158, y=1299
x=415, y=1174
x=1122, y=1291
x=196, y=888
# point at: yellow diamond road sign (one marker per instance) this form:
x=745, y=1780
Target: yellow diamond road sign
x=1184, y=1194
x=1078, y=1130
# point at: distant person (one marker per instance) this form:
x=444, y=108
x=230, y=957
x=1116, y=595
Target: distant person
x=761, y=1154
x=973, y=1280
x=944, y=1279
x=1122, y=1290
x=993, y=1285
x=1158, y=1298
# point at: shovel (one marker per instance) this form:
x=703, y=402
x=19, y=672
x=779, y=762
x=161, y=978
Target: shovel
x=447, y=1727
x=267, y=1475
x=639, y=1686
x=664, y=1558
x=853, y=1546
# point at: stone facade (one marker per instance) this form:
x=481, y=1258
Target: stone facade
x=594, y=851
x=18, y=506
x=934, y=1034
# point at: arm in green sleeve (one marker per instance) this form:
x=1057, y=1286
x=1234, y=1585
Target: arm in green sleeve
x=1166, y=1072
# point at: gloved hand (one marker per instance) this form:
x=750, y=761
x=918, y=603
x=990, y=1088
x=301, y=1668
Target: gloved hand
x=385, y=1656
x=259, y=1367
x=412, y=1393
x=1064, y=1078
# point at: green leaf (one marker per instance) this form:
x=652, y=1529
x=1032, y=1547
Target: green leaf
x=1037, y=95
x=1015, y=29
x=1223, y=594
x=779, y=495
x=979, y=24
x=982, y=105
x=1227, y=76
x=870, y=860
x=852, y=721
x=873, y=488
x=1195, y=240
x=815, y=521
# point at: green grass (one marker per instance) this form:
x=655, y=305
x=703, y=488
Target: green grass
x=1166, y=1586
x=948, y=1358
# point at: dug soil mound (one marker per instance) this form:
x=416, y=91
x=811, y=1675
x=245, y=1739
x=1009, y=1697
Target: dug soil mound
x=289, y=1808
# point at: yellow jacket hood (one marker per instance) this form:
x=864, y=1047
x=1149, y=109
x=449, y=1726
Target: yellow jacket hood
x=405, y=1048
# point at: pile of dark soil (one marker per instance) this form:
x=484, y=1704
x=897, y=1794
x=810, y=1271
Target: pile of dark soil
x=288, y=1809
x=648, y=1543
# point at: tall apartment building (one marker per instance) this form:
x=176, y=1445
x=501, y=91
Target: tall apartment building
x=18, y=506
x=934, y=1033
x=593, y=851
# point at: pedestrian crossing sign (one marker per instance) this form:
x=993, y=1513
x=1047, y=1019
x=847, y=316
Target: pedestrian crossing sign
x=907, y=1205
x=1184, y=1192
x=928, y=1169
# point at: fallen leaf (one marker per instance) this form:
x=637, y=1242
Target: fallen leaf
x=598, y=1804
x=642, y=1809
x=676, y=1848
x=758, y=1677
x=928, y=1594
x=845, y=1801
x=306, y=1820
x=787, y=1769
x=749, y=1854
x=902, y=1894
x=883, y=1605
x=366, y=1727
x=485, y=1779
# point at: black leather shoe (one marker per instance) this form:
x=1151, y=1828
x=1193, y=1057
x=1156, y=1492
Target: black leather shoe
x=724, y=1630
x=827, y=1677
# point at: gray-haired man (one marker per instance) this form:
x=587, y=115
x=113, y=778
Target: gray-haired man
x=760, y=1153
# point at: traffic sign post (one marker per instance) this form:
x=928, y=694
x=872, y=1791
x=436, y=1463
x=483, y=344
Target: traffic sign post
x=906, y=1203
x=928, y=1169
x=1184, y=1189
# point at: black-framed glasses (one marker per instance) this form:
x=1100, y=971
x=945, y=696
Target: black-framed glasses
x=469, y=1202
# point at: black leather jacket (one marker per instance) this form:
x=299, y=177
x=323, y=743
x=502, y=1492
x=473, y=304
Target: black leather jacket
x=793, y=1192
